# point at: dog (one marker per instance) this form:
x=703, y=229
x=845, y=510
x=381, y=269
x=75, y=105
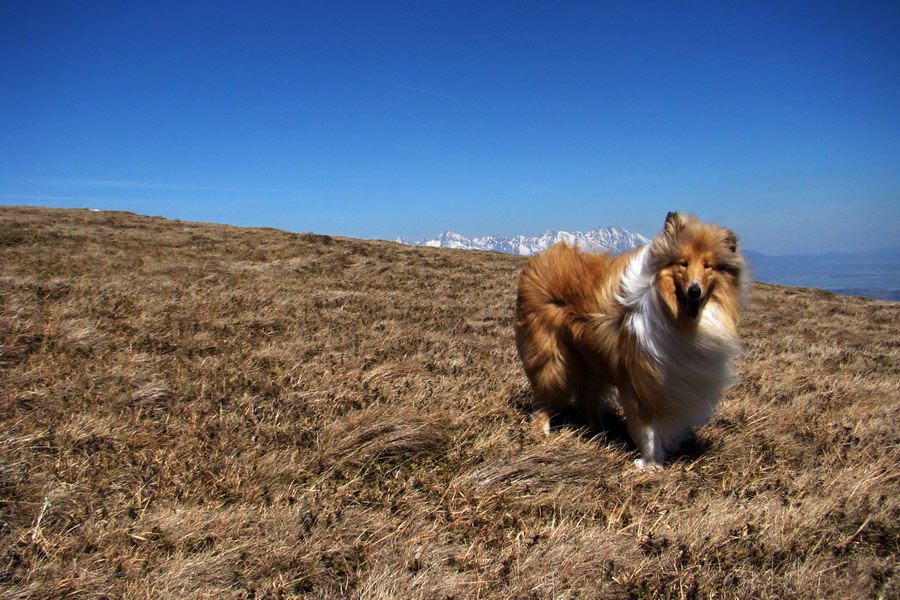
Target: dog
x=653, y=329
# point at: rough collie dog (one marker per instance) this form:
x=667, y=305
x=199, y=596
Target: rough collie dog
x=654, y=328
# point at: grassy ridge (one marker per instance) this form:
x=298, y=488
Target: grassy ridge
x=201, y=411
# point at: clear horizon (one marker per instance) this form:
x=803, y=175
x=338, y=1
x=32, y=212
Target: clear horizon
x=370, y=120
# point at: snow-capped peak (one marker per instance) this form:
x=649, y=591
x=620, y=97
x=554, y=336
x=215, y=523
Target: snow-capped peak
x=595, y=240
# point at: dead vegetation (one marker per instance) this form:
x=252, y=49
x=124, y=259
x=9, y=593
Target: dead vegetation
x=201, y=411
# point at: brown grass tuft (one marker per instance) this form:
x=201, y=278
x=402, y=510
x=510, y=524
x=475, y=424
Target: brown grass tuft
x=202, y=411
x=382, y=435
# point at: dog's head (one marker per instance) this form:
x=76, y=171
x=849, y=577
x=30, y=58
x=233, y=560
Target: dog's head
x=696, y=263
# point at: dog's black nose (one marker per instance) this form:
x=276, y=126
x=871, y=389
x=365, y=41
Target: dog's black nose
x=694, y=292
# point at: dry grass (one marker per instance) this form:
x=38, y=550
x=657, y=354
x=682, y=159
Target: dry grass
x=200, y=411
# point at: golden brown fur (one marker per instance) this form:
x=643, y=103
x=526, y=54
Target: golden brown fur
x=654, y=328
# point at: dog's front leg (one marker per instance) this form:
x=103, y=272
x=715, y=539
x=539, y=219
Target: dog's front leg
x=648, y=440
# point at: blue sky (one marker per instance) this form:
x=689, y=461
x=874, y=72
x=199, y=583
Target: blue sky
x=386, y=119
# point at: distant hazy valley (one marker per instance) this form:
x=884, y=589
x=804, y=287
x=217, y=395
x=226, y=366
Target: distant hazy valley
x=873, y=274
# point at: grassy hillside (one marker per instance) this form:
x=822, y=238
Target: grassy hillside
x=202, y=411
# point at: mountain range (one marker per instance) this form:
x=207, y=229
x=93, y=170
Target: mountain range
x=873, y=274
x=595, y=240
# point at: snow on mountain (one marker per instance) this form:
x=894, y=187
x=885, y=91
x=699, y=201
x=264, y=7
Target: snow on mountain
x=595, y=240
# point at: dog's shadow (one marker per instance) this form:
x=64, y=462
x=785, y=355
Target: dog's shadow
x=614, y=432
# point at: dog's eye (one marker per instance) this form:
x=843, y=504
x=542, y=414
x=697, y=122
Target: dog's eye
x=707, y=266
x=683, y=263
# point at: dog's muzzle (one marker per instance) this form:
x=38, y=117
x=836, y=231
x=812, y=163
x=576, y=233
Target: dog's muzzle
x=694, y=299
x=694, y=292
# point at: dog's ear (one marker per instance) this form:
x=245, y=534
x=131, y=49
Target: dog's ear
x=674, y=222
x=731, y=240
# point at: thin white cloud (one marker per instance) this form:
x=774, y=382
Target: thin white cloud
x=429, y=92
x=41, y=198
x=629, y=179
x=148, y=185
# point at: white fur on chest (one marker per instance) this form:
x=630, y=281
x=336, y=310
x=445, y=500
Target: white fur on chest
x=692, y=366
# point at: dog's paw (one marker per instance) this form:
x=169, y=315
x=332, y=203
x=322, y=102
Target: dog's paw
x=640, y=463
x=541, y=421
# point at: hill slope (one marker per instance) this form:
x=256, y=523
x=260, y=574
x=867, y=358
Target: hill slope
x=202, y=411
